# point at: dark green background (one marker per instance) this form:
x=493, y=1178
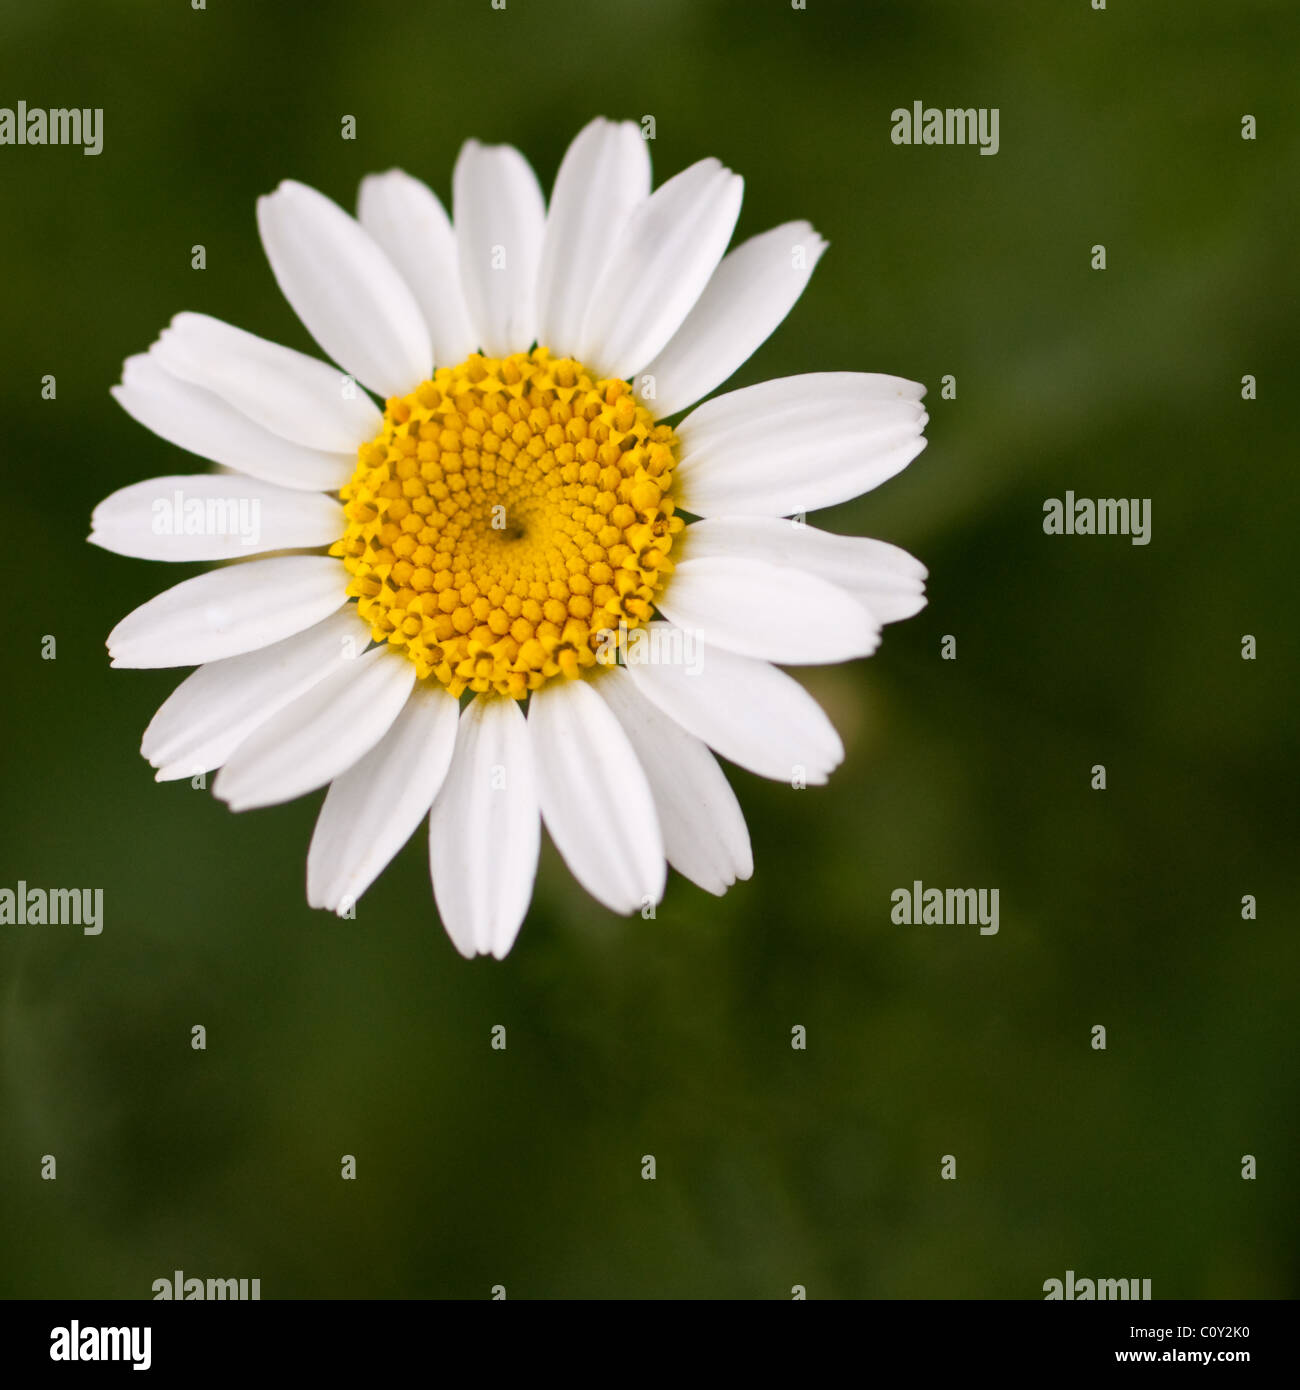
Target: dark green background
x=672, y=1037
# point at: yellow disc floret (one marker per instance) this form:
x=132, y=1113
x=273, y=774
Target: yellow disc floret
x=512, y=514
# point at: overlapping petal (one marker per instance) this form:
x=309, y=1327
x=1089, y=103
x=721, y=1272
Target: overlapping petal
x=228, y=611
x=319, y=735
x=889, y=581
x=703, y=827
x=346, y=291
x=485, y=830
x=747, y=297
x=212, y=516
x=202, y=423
x=594, y=796
x=373, y=808
x=500, y=216
x=798, y=443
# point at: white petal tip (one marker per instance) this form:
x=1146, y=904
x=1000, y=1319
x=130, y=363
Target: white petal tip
x=134, y=661
x=910, y=611
x=222, y=791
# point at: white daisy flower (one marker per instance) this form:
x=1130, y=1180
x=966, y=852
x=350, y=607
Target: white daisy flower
x=514, y=595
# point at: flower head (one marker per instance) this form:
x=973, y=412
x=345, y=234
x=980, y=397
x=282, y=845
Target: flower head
x=512, y=594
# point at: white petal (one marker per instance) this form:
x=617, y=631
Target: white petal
x=659, y=267
x=295, y=396
x=214, y=709
x=797, y=444
x=229, y=514
x=321, y=734
x=405, y=217
x=808, y=391
x=767, y=611
x=750, y=712
x=201, y=422
x=227, y=611
x=595, y=799
x=485, y=830
x=372, y=809
x=344, y=289
x=703, y=826
x=750, y=293
x=889, y=581
x=605, y=173
x=500, y=215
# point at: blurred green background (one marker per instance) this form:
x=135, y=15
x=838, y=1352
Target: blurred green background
x=672, y=1037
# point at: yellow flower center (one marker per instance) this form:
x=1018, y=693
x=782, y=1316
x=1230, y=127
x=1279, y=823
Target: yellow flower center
x=512, y=514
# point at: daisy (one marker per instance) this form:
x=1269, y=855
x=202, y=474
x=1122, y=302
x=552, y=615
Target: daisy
x=513, y=594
